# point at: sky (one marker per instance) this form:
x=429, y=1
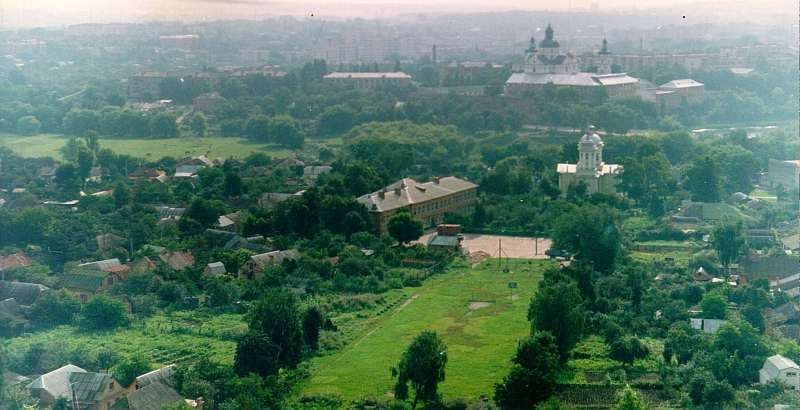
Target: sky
x=62, y=12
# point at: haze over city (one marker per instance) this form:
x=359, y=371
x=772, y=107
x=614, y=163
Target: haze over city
x=56, y=12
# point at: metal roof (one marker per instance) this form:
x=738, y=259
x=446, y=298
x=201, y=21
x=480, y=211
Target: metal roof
x=682, y=83
x=383, y=75
x=407, y=192
x=24, y=293
x=154, y=396
x=89, y=387
x=56, y=383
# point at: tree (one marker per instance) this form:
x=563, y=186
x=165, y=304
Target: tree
x=728, y=241
x=422, y=365
x=532, y=378
x=283, y=129
x=591, y=233
x=626, y=349
x=55, y=308
x=232, y=186
x=256, y=353
x=275, y=338
x=404, y=228
x=714, y=306
x=558, y=309
x=126, y=371
x=122, y=195
x=163, y=125
x=67, y=179
x=198, y=124
x=312, y=323
x=258, y=127
x=28, y=125
x=336, y=120
x=103, y=313
x=85, y=162
x=702, y=180
x=629, y=400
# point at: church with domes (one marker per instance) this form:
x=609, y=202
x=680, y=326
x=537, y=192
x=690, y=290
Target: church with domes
x=590, y=169
x=549, y=64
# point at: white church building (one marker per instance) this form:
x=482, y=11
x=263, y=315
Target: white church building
x=590, y=169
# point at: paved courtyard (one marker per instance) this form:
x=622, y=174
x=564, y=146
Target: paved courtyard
x=520, y=247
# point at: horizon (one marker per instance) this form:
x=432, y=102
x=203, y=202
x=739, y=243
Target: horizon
x=47, y=13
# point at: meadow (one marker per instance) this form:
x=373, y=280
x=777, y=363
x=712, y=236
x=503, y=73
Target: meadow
x=471, y=308
x=162, y=339
x=42, y=145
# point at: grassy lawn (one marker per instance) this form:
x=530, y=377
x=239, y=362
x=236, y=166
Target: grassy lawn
x=42, y=145
x=480, y=340
x=162, y=339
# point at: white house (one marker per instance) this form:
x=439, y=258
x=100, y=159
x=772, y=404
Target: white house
x=782, y=369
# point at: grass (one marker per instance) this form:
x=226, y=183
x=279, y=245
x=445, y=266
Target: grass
x=42, y=145
x=162, y=339
x=480, y=341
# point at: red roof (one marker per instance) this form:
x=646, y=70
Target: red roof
x=13, y=261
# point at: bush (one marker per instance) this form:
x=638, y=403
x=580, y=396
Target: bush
x=103, y=313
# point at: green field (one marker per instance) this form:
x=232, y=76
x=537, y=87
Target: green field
x=480, y=341
x=162, y=339
x=43, y=145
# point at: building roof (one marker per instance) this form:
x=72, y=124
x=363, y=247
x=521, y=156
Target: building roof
x=154, y=396
x=216, y=268
x=572, y=79
x=89, y=386
x=177, y=260
x=450, y=241
x=15, y=260
x=104, y=265
x=775, y=364
x=683, y=83
x=56, y=383
x=408, y=192
x=274, y=257
x=23, y=293
x=84, y=279
x=163, y=375
x=365, y=76
x=186, y=171
x=573, y=168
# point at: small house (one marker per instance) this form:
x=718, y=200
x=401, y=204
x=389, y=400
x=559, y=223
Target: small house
x=51, y=386
x=215, y=269
x=155, y=396
x=188, y=171
x=148, y=174
x=254, y=268
x=178, y=260
x=165, y=375
x=781, y=369
x=85, y=281
x=706, y=325
x=24, y=294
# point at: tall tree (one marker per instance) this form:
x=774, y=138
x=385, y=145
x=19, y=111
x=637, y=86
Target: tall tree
x=728, y=241
x=275, y=336
x=422, y=366
x=404, y=228
x=532, y=378
x=558, y=308
x=702, y=180
x=591, y=233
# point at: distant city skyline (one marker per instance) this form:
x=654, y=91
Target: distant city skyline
x=26, y=13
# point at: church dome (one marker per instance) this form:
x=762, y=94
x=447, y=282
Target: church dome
x=591, y=137
x=549, y=41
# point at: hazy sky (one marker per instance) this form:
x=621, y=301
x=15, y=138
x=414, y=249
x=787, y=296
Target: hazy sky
x=55, y=12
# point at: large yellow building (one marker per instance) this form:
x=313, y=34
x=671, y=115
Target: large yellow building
x=428, y=201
